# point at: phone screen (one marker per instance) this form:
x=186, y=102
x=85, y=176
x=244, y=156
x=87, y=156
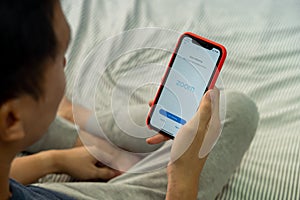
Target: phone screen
x=188, y=77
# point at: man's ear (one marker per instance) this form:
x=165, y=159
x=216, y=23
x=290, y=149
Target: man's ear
x=11, y=126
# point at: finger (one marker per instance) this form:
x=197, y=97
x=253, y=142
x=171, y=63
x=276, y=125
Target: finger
x=215, y=99
x=214, y=128
x=150, y=103
x=203, y=115
x=191, y=135
x=156, y=139
x=215, y=105
x=106, y=173
x=204, y=111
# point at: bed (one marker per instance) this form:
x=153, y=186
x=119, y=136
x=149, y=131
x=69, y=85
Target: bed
x=263, y=43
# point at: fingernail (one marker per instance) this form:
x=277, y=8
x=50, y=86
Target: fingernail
x=207, y=95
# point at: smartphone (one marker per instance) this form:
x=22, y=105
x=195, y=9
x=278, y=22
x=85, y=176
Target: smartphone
x=192, y=70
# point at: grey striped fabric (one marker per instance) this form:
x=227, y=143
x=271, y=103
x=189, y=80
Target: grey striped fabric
x=263, y=43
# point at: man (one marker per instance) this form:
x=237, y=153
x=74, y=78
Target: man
x=34, y=38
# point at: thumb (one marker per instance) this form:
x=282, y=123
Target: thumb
x=204, y=115
x=192, y=133
x=214, y=126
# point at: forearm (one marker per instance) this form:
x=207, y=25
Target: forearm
x=181, y=185
x=29, y=169
x=183, y=179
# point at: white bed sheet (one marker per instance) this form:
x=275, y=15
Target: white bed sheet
x=263, y=43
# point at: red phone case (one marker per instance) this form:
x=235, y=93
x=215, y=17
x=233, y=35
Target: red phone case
x=213, y=80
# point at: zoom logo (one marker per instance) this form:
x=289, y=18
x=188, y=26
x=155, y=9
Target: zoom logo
x=185, y=86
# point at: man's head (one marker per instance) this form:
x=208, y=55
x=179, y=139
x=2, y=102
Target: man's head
x=34, y=37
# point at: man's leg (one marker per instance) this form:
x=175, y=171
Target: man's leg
x=239, y=129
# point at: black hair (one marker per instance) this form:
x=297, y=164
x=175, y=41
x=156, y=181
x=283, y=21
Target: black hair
x=27, y=40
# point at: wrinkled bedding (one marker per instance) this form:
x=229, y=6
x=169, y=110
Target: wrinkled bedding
x=263, y=43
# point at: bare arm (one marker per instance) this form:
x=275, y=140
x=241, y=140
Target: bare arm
x=182, y=185
x=29, y=169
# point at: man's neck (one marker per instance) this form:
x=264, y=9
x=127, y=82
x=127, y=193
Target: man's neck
x=4, y=181
x=5, y=163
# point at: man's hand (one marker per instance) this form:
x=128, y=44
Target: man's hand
x=158, y=138
x=185, y=166
x=80, y=164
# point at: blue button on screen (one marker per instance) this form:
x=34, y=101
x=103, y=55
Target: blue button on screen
x=172, y=116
